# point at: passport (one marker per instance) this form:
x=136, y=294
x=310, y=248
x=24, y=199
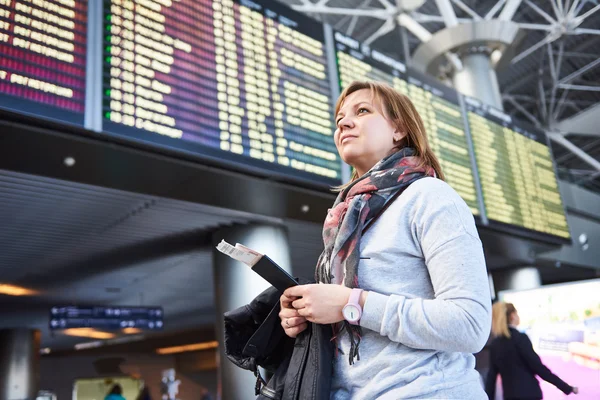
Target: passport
x=259, y=263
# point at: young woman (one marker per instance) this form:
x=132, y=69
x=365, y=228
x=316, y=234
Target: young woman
x=408, y=298
x=512, y=356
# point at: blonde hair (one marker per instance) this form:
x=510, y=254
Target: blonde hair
x=501, y=313
x=402, y=113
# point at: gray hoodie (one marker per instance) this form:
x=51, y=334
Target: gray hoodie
x=429, y=306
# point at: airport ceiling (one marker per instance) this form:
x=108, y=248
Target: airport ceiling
x=80, y=244
x=533, y=88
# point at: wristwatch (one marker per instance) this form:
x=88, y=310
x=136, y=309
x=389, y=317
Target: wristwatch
x=352, y=311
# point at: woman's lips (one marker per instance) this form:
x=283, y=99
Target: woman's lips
x=346, y=139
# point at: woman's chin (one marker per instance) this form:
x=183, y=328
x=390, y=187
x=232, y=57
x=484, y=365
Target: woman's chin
x=349, y=157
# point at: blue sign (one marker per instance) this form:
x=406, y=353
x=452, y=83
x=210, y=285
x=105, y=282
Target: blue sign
x=106, y=317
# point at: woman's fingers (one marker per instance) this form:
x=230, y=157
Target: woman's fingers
x=294, y=331
x=288, y=313
x=286, y=302
x=295, y=321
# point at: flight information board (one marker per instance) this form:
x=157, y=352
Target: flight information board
x=438, y=106
x=106, y=317
x=234, y=81
x=516, y=171
x=43, y=57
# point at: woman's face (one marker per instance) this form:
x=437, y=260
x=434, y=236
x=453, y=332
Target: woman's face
x=364, y=135
x=514, y=319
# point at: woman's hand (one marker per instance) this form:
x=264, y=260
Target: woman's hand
x=291, y=321
x=575, y=389
x=319, y=303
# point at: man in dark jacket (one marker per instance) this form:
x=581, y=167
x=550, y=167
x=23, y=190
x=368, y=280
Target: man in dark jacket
x=301, y=367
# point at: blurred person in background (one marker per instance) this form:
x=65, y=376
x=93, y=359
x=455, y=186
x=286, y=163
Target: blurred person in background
x=512, y=356
x=144, y=394
x=116, y=393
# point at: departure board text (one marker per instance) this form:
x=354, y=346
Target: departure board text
x=234, y=80
x=43, y=54
x=517, y=175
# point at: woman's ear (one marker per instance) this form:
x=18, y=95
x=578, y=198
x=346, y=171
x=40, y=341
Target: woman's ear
x=398, y=135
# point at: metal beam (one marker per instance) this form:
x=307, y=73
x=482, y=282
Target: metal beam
x=580, y=18
x=420, y=17
x=560, y=139
x=378, y=13
x=584, y=88
x=573, y=8
x=528, y=77
x=537, y=27
x=447, y=12
x=384, y=29
x=551, y=37
x=466, y=9
x=580, y=71
x=586, y=122
x=523, y=111
x=555, y=75
x=541, y=12
x=557, y=13
x=509, y=10
x=494, y=9
x=354, y=20
x=414, y=27
x=585, y=31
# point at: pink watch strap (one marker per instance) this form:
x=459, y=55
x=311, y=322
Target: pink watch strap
x=355, y=297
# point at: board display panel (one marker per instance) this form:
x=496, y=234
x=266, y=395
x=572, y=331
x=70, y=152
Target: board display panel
x=517, y=175
x=438, y=106
x=43, y=58
x=243, y=83
x=106, y=317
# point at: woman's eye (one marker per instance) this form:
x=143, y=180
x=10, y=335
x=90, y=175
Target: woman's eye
x=362, y=110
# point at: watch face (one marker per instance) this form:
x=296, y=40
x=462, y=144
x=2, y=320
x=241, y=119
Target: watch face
x=351, y=313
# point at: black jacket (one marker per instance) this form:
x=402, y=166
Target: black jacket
x=518, y=364
x=301, y=367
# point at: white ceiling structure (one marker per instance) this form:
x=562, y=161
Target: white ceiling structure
x=553, y=81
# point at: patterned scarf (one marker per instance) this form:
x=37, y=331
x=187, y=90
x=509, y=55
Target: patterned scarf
x=354, y=207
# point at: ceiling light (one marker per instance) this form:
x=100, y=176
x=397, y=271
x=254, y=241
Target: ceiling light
x=12, y=290
x=69, y=161
x=88, y=345
x=188, y=347
x=130, y=331
x=88, y=332
x=495, y=56
x=45, y=350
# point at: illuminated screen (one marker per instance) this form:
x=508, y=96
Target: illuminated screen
x=563, y=323
x=517, y=175
x=438, y=106
x=43, y=57
x=238, y=82
x=106, y=317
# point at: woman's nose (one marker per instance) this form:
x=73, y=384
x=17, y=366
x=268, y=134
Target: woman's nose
x=346, y=122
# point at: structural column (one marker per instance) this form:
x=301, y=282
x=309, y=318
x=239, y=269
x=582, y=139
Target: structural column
x=235, y=286
x=19, y=363
x=477, y=77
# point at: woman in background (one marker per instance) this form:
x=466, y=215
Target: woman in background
x=512, y=356
x=408, y=298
